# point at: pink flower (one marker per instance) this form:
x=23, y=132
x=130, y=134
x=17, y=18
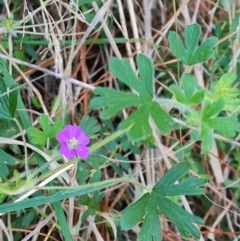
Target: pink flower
x=73, y=142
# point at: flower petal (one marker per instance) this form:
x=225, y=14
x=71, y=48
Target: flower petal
x=65, y=151
x=74, y=131
x=83, y=139
x=82, y=151
x=62, y=137
x=70, y=131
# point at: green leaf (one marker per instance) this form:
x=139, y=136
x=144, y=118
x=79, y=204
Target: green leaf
x=149, y=231
x=56, y=126
x=134, y=213
x=191, y=35
x=189, y=84
x=113, y=101
x=225, y=90
x=146, y=71
x=140, y=131
x=4, y=102
x=36, y=103
x=191, y=54
x=190, y=94
x=89, y=125
x=43, y=120
x=38, y=137
x=183, y=220
x=226, y=125
x=178, y=94
x=212, y=109
x=204, y=51
x=176, y=172
x=197, y=97
x=96, y=158
x=4, y=171
x=160, y=118
x=28, y=217
x=13, y=99
x=81, y=2
x=210, y=121
x=206, y=136
x=8, y=128
x=5, y=158
x=177, y=47
x=122, y=70
x=82, y=173
x=148, y=206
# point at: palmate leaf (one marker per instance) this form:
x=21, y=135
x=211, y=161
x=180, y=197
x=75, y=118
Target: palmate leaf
x=38, y=137
x=190, y=94
x=183, y=220
x=148, y=206
x=151, y=228
x=225, y=90
x=89, y=125
x=49, y=131
x=210, y=121
x=113, y=101
x=191, y=53
x=225, y=125
x=56, y=126
x=43, y=120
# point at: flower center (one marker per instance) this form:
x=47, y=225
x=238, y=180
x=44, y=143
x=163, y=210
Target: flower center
x=72, y=143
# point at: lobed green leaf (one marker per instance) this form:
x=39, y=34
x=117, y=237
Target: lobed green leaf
x=191, y=53
x=191, y=36
x=151, y=229
x=56, y=126
x=123, y=71
x=38, y=137
x=225, y=125
x=112, y=101
x=134, y=213
x=206, y=136
x=190, y=94
x=176, y=45
x=212, y=109
x=146, y=70
x=204, y=51
x=149, y=205
x=89, y=125
x=182, y=219
x=43, y=120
